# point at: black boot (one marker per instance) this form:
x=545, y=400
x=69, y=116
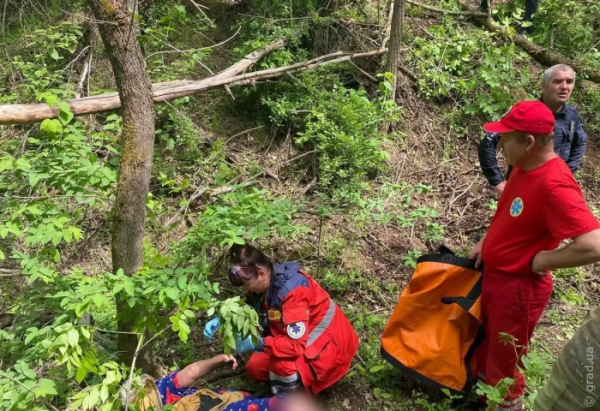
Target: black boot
x=483, y=7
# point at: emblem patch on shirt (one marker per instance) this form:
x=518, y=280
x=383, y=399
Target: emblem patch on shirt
x=274, y=315
x=296, y=330
x=516, y=208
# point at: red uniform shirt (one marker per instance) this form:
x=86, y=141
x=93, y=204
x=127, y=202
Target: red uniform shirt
x=537, y=210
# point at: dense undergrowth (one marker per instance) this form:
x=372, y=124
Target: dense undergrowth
x=305, y=166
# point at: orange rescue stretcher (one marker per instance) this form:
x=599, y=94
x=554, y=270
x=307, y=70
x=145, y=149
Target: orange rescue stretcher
x=436, y=325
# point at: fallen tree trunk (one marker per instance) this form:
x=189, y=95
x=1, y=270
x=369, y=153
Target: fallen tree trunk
x=543, y=55
x=30, y=113
x=33, y=113
x=448, y=12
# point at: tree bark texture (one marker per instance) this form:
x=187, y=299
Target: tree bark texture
x=137, y=143
x=395, y=42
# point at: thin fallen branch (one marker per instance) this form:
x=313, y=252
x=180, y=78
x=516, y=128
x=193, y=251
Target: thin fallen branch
x=297, y=157
x=449, y=12
x=543, y=55
x=408, y=73
x=199, y=7
x=388, y=27
x=243, y=132
x=364, y=73
x=10, y=272
x=28, y=113
x=135, y=355
x=84, y=76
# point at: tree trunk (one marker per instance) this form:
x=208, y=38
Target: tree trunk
x=137, y=141
x=395, y=43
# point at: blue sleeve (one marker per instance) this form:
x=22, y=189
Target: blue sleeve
x=487, y=158
x=578, y=145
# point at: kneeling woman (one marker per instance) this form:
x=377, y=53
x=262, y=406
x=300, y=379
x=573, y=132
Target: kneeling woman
x=308, y=340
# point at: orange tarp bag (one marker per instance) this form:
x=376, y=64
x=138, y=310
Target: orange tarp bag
x=436, y=325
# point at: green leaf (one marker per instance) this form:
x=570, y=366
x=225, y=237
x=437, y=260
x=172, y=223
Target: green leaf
x=189, y=314
x=184, y=331
x=2, y=256
x=80, y=374
x=65, y=114
x=68, y=235
x=94, y=396
x=57, y=237
x=210, y=312
x=172, y=293
x=33, y=179
x=376, y=368
x=73, y=336
x=48, y=386
x=182, y=282
x=129, y=286
x=85, y=332
x=104, y=393
x=30, y=337
x=28, y=372
x=54, y=54
x=23, y=164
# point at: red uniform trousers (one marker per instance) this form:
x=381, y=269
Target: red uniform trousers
x=260, y=364
x=511, y=304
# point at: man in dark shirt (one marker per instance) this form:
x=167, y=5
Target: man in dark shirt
x=569, y=136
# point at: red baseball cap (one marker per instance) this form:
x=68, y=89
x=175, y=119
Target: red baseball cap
x=532, y=117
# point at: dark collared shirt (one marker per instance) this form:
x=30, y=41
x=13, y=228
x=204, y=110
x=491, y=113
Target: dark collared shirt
x=569, y=143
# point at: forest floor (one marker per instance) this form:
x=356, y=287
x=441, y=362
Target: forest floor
x=364, y=267
x=364, y=270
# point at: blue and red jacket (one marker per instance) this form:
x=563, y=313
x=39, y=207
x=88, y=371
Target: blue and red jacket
x=306, y=326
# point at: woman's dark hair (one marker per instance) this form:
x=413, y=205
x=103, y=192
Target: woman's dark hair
x=246, y=260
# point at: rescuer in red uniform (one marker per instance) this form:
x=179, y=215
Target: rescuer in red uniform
x=308, y=341
x=541, y=206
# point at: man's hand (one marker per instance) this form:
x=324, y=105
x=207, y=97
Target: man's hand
x=585, y=249
x=500, y=187
x=224, y=359
x=538, y=264
x=475, y=253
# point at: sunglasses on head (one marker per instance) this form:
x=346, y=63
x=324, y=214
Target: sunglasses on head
x=238, y=276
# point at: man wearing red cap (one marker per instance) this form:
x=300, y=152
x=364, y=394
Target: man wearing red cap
x=541, y=206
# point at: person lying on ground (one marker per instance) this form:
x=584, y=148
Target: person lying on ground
x=178, y=389
x=307, y=341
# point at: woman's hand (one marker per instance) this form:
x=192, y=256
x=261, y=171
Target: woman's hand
x=211, y=328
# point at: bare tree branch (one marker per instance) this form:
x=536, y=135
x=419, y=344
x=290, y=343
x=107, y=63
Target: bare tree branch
x=29, y=113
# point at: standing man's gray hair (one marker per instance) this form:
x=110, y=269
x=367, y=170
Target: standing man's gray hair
x=557, y=67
